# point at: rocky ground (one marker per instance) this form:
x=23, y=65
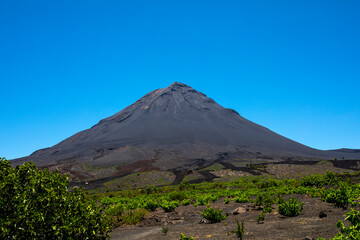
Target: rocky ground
x=317, y=219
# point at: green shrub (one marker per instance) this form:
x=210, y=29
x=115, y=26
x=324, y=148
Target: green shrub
x=115, y=211
x=226, y=200
x=151, y=189
x=177, y=196
x=313, y=180
x=260, y=218
x=36, y=204
x=340, y=197
x=241, y=198
x=133, y=204
x=353, y=231
x=269, y=183
x=184, y=185
x=267, y=208
x=150, y=205
x=239, y=230
x=263, y=199
x=186, y=202
x=184, y=237
x=169, y=206
x=165, y=230
x=203, y=200
x=213, y=215
x=332, y=178
x=133, y=217
x=291, y=208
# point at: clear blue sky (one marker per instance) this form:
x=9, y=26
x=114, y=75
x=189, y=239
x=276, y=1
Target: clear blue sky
x=291, y=66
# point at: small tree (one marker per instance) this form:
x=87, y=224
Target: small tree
x=36, y=204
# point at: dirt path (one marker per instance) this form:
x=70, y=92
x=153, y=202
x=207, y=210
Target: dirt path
x=135, y=233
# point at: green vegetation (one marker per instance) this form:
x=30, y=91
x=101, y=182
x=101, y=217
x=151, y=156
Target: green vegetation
x=132, y=217
x=36, y=204
x=165, y=230
x=42, y=207
x=340, y=197
x=260, y=218
x=239, y=230
x=353, y=231
x=169, y=206
x=213, y=215
x=184, y=237
x=291, y=208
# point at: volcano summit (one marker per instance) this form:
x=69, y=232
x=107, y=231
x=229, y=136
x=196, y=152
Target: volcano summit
x=171, y=128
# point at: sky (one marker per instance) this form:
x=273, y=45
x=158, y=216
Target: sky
x=291, y=66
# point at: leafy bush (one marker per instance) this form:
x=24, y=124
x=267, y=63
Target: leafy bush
x=320, y=180
x=269, y=183
x=340, y=197
x=239, y=230
x=186, y=202
x=133, y=217
x=169, y=206
x=213, y=215
x=151, y=189
x=241, y=198
x=226, y=200
x=184, y=185
x=353, y=231
x=313, y=180
x=184, y=237
x=150, y=205
x=177, y=196
x=133, y=203
x=263, y=199
x=260, y=218
x=115, y=211
x=203, y=200
x=36, y=204
x=291, y=208
x=165, y=230
x=267, y=208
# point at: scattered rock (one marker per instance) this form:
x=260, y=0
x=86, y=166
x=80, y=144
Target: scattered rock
x=322, y=214
x=239, y=210
x=308, y=238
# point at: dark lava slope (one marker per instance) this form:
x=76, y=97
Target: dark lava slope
x=168, y=128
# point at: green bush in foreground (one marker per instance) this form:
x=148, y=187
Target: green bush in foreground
x=213, y=215
x=291, y=208
x=36, y=204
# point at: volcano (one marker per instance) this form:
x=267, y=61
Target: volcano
x=175, y=127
